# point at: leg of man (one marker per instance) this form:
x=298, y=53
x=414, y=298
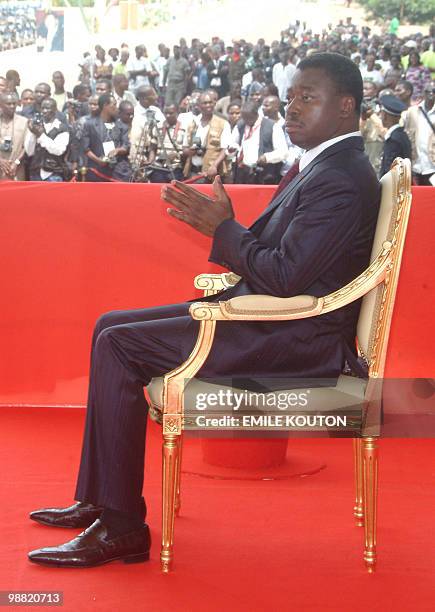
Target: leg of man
x=129, y=348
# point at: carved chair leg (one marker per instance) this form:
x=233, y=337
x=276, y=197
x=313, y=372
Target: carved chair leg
x=370, y=475
x=171, y=445
x=358, y=509
x=178, y=475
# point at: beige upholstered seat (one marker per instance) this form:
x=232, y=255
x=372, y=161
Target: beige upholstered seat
x=171, y=397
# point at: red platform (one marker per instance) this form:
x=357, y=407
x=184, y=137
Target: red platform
x=73, y=251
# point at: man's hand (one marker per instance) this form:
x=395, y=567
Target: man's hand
x=36, y=128
x=4, y=166
x=200, y=211
x=262, y=161
x=212, y=172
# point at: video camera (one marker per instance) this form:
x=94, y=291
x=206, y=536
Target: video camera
x=6, y=145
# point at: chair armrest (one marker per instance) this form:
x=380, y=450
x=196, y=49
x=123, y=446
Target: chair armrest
x=269, y=308
x=212, y=283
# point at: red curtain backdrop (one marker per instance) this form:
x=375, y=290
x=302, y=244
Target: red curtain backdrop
x=70, y=252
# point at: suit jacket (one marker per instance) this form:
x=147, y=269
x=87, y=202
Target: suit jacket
x=314, y=237
x=397, y=145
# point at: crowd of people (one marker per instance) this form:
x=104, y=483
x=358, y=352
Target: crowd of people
x=205, y=109
x=17, y=24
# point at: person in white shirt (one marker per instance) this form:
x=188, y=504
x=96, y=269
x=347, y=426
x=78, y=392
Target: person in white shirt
x=139, y=69
x=206, y=142
x=120, y=90
x=271, y=106
x=369, y=72
x=282, y=75
x=147, y=99
x=420, y=126
x=46, y=143
x=261, y=148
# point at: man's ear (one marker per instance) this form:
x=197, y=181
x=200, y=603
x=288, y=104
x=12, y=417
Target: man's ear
x=347, y=106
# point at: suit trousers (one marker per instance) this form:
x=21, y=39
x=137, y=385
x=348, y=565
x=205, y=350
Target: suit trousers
x=129, y=348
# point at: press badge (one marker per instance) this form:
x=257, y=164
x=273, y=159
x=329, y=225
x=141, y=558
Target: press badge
x=108, y=146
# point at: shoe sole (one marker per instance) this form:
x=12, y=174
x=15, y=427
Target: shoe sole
x=139, y=558
x=49, y=524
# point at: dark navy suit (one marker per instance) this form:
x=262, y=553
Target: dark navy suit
x=314, y=237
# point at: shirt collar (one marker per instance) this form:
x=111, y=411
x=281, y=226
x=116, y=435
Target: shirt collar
x=310, y=155
x=391, y=130
x=52, y=124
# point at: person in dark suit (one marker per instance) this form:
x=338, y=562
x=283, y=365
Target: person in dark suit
x=397, y=143
x=314, y=237
x=106, y=144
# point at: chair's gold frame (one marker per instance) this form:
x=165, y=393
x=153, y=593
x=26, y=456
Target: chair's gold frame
x=383, y=273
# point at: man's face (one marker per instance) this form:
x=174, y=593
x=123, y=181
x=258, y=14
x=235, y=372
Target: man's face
x=93, y=106
x=8, y=104
x=121, y=86
x=148, y=99
x=126, y=114
x=370, y=62
x=171, y=115
x=270, y=107
x=27, y=98
x=101, y=88
x=58, y=80
x=429, y=95
x=48, y=111
x=369, y=89
x=256, y=98
x=111, y=109
x=402, y=93
x=315, y=110
x=41, y=92
x=249, y=118
x=176, y=52
x=3, y=85
x=124, y=57
x=140, y=51
x=206, y=105
x=84, y=95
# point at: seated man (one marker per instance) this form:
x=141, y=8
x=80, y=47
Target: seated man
x=314, y=237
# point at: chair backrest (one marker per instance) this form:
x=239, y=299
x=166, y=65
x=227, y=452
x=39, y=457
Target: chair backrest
x=377, y=306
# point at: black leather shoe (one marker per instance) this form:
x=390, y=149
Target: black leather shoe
x=93, y=547
x=78, y=516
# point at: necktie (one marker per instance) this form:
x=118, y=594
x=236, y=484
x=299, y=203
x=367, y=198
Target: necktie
x=294, y=170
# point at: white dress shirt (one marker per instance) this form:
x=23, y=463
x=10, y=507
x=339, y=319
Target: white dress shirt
x=282, y=77
x=250, y=143
x=140, y=114
x=134, y=64
x=308, y=156
x=423, y=163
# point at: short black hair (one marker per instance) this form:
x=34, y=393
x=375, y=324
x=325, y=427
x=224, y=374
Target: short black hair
x=250, y=107
x=104, y=99
x=341, y=70
x=406, y=85
x=79, y=89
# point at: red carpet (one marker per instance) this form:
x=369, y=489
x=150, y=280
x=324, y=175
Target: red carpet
x=240, y=545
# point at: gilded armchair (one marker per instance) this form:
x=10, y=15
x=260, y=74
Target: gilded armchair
x=376, y=286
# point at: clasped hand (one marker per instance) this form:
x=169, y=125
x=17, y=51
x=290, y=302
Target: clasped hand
x=200, y=211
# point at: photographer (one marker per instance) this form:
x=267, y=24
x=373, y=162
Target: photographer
x=13, y=129
x=106, y=144
x=206, y=142
x=168, y=165
x=261, y=148
x=46, y=144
